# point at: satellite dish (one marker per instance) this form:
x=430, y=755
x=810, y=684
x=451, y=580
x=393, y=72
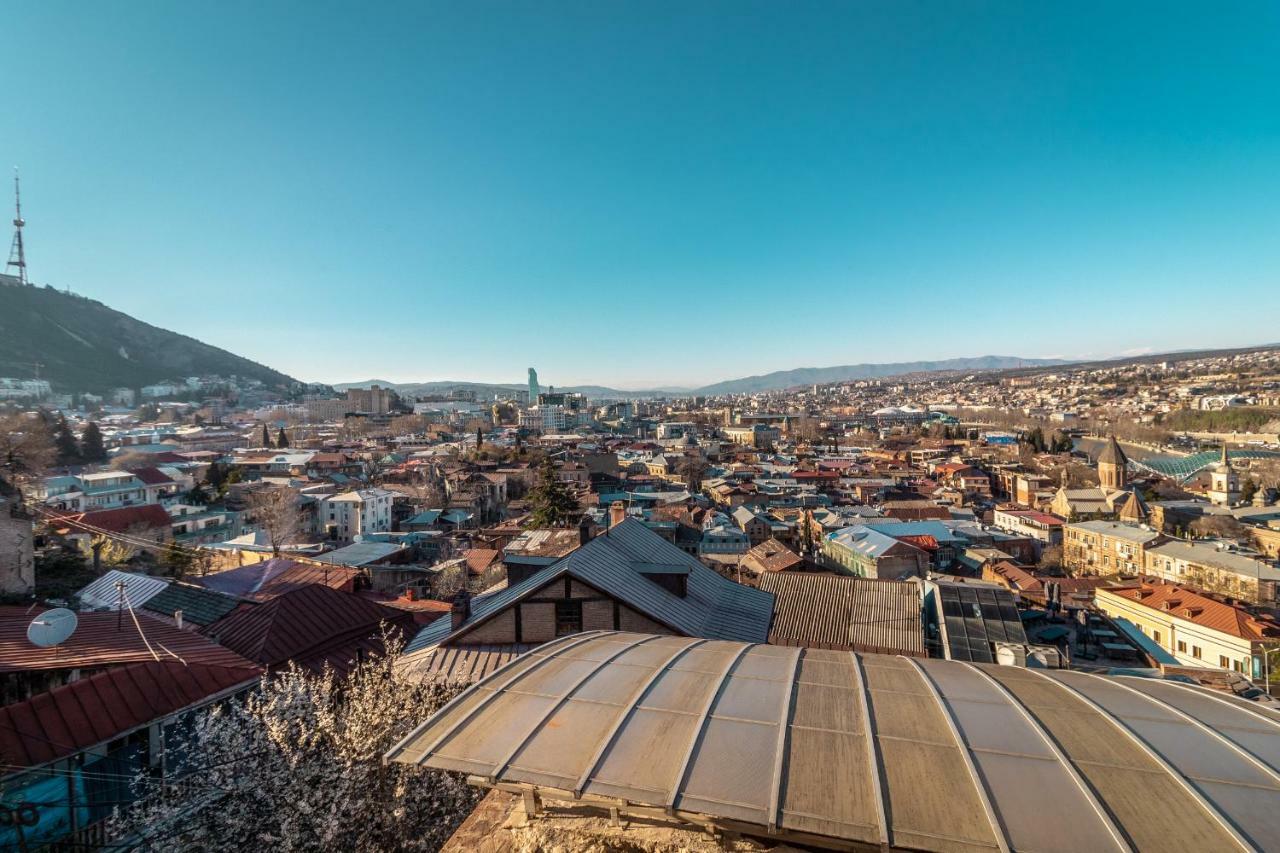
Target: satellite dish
x=52, y=627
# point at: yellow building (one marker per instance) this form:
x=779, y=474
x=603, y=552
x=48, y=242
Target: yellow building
x=1195, y=629
x=1106, y=547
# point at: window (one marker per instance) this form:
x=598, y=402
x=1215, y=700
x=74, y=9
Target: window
x=1155, y=635
x=1196, y=652
x=1182, y=646
x=568, y=618
x=1224, y=662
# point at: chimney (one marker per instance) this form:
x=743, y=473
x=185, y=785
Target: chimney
x=461, y=609
x=617, y=512
x=584, y=530
x=177, y=617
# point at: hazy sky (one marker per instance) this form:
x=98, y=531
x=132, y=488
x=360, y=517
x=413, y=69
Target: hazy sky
x=646, y=193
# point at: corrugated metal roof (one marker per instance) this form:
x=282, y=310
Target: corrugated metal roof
x=199, y=606
x=462, y=664
x=837, y=749
x=104, y=639
x=265, y=580
x=312, y=626
x=829, y=611
x=87, y=712
x=102, y=594
x=713, y=607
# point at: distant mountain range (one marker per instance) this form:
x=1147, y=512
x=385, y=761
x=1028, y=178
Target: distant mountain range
x=78, y=344
x=746, y=385
x=853, y=372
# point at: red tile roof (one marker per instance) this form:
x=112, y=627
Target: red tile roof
x=152, y=476
x=67, y=719
x=479, y=559
x=1191, y=605
x=97, y=642
x=119, y=520
x=312, y=625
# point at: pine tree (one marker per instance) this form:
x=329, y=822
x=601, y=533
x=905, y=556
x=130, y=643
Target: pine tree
x=266, y=436
x=91, y=447
x=479, y=438
x=282, y=440
x=65, y=442
x=552, y=502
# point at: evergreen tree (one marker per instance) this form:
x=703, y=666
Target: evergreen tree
x=91, y=447
x=65, y=443
x=552, y=502
x=1247, y=490
x=266, y=436
x=479, y=438
x=282, y=440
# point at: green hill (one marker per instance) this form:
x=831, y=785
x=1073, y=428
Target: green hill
x=82, y=345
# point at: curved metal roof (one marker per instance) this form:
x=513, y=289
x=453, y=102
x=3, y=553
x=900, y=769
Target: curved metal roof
x=840, y=749
x=1184, y=467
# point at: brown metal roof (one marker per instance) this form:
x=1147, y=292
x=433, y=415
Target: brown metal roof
x=312, y=625
x=105, y=639
x=87, y=712
x=829, y=611
x=839, y=749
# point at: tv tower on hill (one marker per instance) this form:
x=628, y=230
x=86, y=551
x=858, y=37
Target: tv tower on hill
x=17, y=254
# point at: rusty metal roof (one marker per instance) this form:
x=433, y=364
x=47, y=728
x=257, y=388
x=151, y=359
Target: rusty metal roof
x=829, y=611
x=312, y=625
x=104, y=639
x=76, y=716
x=839, y=749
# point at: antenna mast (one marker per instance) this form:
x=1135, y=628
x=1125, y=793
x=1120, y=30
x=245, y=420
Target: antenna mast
x=17, y=254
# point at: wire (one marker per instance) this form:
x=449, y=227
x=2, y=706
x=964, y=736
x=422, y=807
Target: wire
x=137, y=541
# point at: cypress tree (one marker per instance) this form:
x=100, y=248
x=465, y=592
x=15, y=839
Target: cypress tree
x=65, y=442
x=91, y=447
x=266, y=436
x=282, y=440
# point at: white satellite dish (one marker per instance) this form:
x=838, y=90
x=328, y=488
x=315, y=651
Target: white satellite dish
x=52, y=627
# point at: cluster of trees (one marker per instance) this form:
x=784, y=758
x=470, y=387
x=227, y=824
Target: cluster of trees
x=1036, y=441
x=88, y=449
x=296, y=765
x=1239, y=419
x=282, y=440
x=30, y=443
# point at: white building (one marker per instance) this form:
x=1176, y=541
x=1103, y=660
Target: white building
x=355, y=513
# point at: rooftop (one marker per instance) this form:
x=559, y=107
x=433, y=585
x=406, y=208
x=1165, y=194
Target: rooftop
x=842, y=750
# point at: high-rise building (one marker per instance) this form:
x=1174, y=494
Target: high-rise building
x=533, y=386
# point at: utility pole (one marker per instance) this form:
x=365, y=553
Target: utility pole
x=17, y=252
x=120, y=604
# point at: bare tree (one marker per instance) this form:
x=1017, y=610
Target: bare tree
x=1218, y=526
x=276, y=511
x=26, y=449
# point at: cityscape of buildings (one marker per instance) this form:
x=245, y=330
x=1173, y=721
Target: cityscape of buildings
x=787, y=428
x=1100, y=518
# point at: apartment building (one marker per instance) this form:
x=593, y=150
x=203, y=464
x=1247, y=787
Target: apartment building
x=1214, y=567
x=1107, y=547
x=1043, y=527
x=355, y=513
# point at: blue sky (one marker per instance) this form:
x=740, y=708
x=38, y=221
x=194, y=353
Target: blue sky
x=653, y=193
